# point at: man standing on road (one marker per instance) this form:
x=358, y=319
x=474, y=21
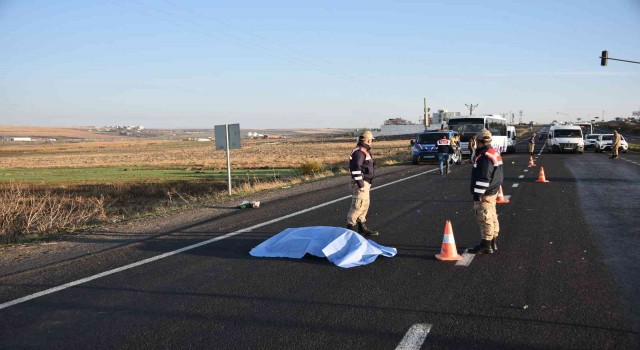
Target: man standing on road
x=361, y=165
x=445, y=149
x=472, y=148
x=615, y=144
x=532, y=144
x=456, y=147
x=486, y=179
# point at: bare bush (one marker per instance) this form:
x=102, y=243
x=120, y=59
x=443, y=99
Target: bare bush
x=311, y=167
x=25, y=212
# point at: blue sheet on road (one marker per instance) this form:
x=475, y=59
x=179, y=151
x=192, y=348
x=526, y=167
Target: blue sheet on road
x=341, y=246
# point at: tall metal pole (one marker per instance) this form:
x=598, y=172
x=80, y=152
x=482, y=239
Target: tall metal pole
x=426, y=115
x=471, y=107
x=226, y=127
x=520, y=113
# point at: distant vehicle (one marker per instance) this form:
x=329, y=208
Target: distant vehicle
x=424, y=146
x=542, y=135
x=587, y=128
x=468, y=126
x=590, y=141
x=511, y=139
x=604, y=142
x=565, y=138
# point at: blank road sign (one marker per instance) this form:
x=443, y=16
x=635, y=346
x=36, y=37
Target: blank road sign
x=221, y=136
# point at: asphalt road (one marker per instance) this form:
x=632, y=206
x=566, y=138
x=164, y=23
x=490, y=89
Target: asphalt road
x=565, y=275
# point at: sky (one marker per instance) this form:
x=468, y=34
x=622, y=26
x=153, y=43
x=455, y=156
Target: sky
x=313, y=64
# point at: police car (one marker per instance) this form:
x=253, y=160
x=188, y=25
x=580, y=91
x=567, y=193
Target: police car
x=425, y=149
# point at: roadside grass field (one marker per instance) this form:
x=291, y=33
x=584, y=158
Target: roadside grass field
x=56, y=132
x=92, y=182
x=110, y=175
x=254, y=153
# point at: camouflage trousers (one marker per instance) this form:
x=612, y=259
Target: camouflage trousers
x=359, y=204
x=487, y=217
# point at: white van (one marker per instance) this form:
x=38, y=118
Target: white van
x=511, y=139
x=565, y=138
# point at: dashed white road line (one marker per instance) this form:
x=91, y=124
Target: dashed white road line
x=415, y=337
x=184, y=249
x=521, y=177
x=515, y=185
x=630, y=161
x=526, y=170
x=467, y=258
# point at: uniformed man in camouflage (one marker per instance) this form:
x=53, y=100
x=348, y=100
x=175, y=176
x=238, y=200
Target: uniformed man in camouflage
x=361, y=166
x=615, y=144
x=486, y=179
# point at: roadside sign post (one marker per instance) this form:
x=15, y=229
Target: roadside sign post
x=227, y=137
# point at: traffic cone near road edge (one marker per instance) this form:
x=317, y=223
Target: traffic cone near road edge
x=449, y=251
x=531, y=163
x=501, y=199
x=541, y=177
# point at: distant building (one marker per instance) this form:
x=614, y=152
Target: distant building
x=441, y=116
x=399, y=126
x=21, y=139
x=398, y=121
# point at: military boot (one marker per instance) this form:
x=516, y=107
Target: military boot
x=494, y=244
x=351, y=227
x=483, y=248
x=363, y=230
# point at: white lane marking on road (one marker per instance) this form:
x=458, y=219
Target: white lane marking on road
x=629, y=160
x=415, y=337
x=515, y=185
x=521, y=177
x=526, y=170
x=193, y=246
x=467, y=258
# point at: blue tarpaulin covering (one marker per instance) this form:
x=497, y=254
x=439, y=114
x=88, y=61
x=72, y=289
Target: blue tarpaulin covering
x=341, y=246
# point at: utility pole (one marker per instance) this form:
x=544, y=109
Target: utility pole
x=471, y=107
x=426, y=114
x=520, y=113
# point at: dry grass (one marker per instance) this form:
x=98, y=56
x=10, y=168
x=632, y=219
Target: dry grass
x=289, y=153
x=50, y=132
x=28, y=212
x=40, y=210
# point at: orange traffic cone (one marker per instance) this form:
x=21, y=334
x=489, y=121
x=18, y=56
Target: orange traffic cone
x=531, y=163
x=541, y=176
x=501, y=199
x=448, y=252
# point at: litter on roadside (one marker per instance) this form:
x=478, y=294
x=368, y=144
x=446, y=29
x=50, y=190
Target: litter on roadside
x=247, y=204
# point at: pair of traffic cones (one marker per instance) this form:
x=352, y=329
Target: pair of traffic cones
x=531, y=163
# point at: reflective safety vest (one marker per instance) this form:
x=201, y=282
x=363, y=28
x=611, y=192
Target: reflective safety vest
x=487, y=174
x=444, y=146
x=361, y=165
